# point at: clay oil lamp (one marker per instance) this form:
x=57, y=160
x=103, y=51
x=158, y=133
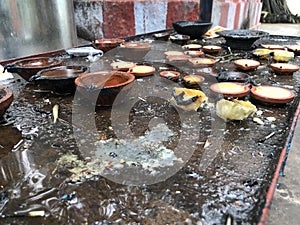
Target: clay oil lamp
x=107, y=44
x=122, y=65
x=284, y=68
x=179, y=39
x=170, y=75
x=164, y=36
x=194, y=53
x=173, y=53
x=272, y=94
x=294, y=48
x=211, y=49
x=202, y=62
x=192, y=47
x=231, y=89
x=178, y=59
x=246, y=64
x=134, y=50
x=272, y=47
x=102, y=87
x=6, y=98
x=31, y=66
x=193, y=80
x=142, y=70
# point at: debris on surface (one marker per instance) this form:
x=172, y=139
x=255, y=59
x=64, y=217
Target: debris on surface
x=234, y=110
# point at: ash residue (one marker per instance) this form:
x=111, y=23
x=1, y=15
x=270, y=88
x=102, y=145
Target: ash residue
x=147, y=151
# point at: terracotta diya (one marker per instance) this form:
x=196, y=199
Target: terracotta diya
x=246, y=64
x=6, y=98
x=202, y=61
x=179, y=39
x=192, y=80
x=231, y=89
x=107, y=44
x=142, y=70
x=31, y=66
x=294, y=48
x=284, y=68
x=192, y=47
x=173, y=53
x=194, y=53
x=164, y=36
x=211, y=48
x=273, y=47
x=134, y=50
x=102, y=87
x=122, y=65
x=272, y=94
x=170, y=75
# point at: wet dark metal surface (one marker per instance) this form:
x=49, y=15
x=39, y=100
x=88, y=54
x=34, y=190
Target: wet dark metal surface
x=234, y=183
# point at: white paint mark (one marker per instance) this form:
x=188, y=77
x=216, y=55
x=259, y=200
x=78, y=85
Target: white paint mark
x=150, y=16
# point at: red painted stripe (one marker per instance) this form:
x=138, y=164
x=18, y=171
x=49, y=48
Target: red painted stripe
x=118, y=19
x=182, y=10
x=224, y=14
x=237, y=15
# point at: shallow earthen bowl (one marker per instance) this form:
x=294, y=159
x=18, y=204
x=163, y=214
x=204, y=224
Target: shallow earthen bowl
x=294, y=48
x=192, y=47
x=164, y=36
x=107, y=44
x=170, y=75
x=194, y=53
x=104, y=86
x=284, y=68
x=179, y=39
x=135, y=51
x=142, y=70
x=272, y=94
x=272, y=47
x=246, y=64
x=231, y=89
x=192, y=80
x=178, y=60
x=212, y=49
x=6, y=98
x=202, y=62
x=31, y=66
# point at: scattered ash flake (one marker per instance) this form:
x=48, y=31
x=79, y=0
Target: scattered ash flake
x=80, y=169
x=147, y=151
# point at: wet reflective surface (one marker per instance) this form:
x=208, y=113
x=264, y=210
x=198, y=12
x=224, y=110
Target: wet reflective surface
x=225, y=168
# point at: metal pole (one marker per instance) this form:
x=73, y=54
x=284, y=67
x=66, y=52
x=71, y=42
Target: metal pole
x=205, y=10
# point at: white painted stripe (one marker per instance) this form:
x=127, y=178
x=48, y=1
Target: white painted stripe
x=216, y=13
x=90, y=16
x=242, y=15
x=150, y=16
x=231, y=16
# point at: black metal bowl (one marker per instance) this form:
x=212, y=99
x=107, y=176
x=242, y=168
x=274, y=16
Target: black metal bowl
x=230, y=76
x=193, y=29
x=241, y=39
x=59, y=79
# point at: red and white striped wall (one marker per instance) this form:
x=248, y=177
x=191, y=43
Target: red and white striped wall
x=121, y=18
x=233, y=13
